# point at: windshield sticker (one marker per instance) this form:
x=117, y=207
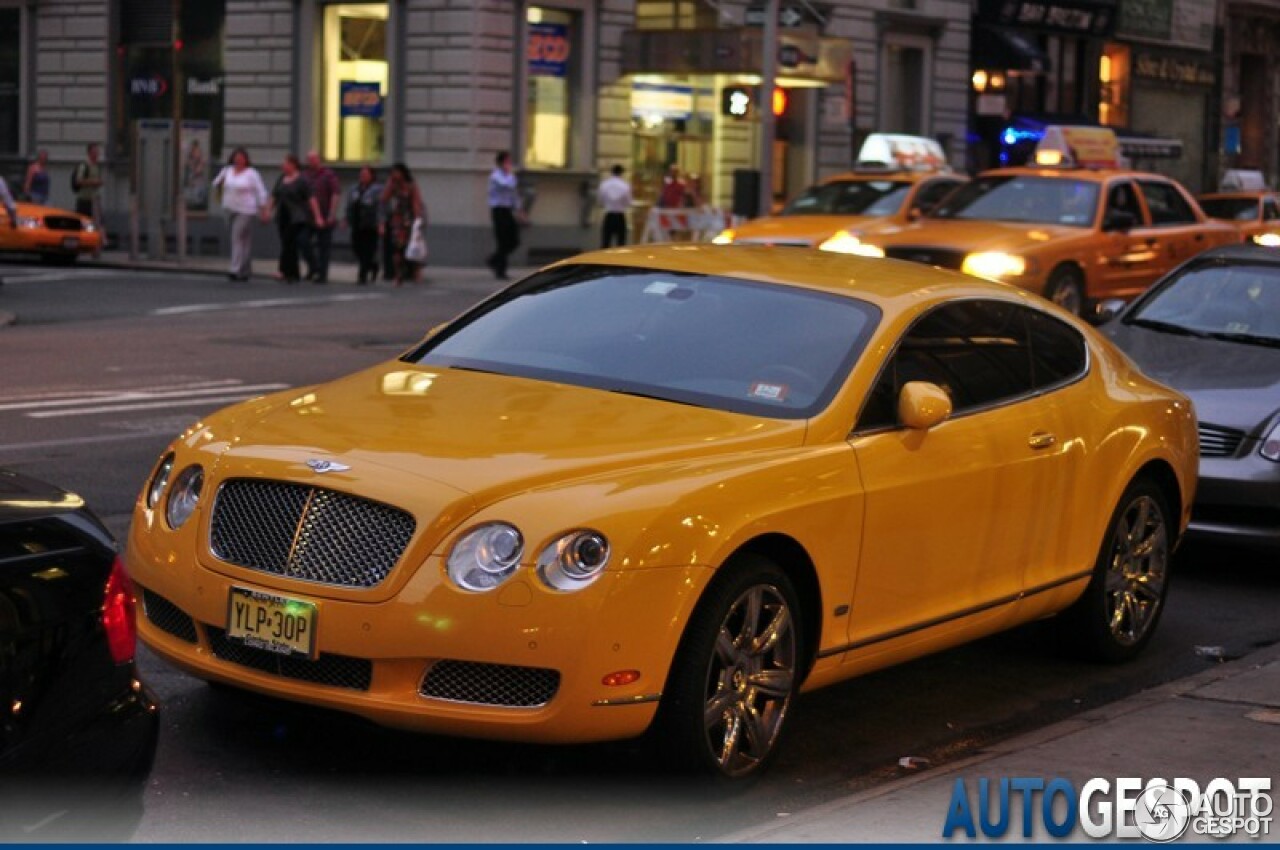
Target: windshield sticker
x=660, y=287
x=769, y=392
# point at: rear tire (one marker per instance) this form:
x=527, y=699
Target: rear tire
x=1066, y=289
x=736, y=673
x=1119, y=610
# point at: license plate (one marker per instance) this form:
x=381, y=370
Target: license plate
x=71, y=242
x=274, y=623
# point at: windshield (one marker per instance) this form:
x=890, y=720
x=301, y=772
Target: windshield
x=1231, y=209
x=734, y=345
x=851, y=197
x=1036, y=200
x=1237, y=302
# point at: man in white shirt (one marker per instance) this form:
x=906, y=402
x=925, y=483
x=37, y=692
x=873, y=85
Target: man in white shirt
x=615, y=199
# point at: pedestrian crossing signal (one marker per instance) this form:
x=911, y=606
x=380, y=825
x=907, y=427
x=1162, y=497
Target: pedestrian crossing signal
x=737, y=102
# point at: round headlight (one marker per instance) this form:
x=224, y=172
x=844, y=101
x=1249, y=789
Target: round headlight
x=485, y=556
x=574, y=561
x=184, y=496
x=160, y=480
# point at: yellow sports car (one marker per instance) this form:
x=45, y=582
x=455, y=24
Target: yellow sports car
x=667, y=487
x=52, y=233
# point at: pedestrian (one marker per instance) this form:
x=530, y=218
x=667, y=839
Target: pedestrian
x=325, y=189
x=401, y=206
x=364, y=208
x=6, y=200
x=296, y=211
x=505, y=212
x=36, y=184
x=673, y=191
x=244, y=198
x=86, y=180
x=615, y=200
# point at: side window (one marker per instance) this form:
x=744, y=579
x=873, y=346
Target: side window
x=1057, y=350
x=1166, y=203
x=977, y=351
x=1270, y=210
x=1122, y=198
x=933, y=192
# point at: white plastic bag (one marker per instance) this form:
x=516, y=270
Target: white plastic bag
x=416, y=250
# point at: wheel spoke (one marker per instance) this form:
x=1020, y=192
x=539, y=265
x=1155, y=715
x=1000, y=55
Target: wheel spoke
x=751, y=618
x=726, y=649
x=732, y=737
x=718, y=706
x=774, y=632
x=1117, y=612
x=757, y=737
x=774, y=684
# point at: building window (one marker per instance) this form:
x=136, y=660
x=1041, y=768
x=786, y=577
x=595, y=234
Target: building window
x=553, y=60
x=355, y=82
x=906, y=82
x=10, y=80
x=675, y=15
x=1113, y=77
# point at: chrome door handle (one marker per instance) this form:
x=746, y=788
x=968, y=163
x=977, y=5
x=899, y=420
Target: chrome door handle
x=1041, y=440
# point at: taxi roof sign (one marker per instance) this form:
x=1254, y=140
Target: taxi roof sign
x=1079, y=147
x=900, y=152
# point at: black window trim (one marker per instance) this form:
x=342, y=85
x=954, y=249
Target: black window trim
x=983, y=408
x=1142, y=183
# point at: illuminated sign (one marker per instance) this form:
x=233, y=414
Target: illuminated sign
x=548, y=50
x=359, y=100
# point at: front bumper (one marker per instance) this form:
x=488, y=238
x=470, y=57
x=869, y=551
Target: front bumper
x=60, y=241
x=1238, y=500
x=628, y=620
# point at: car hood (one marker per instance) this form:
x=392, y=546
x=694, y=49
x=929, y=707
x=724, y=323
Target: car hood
x=484, y=435
x=810, y=229
x=29, y=210
x=1232, y=384
x=973, y=236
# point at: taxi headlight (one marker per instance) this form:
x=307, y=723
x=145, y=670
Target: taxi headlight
x=724, y=238
x=1271, y=445
x=485, y=556
x=844, y=242
x=184, y=496
x=994, y=265
x=1267, y=240
x=574, y=560
x=89, y=227
x=159, y=480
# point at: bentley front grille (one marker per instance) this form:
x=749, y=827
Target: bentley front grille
x=336, y=671
x=307, y=533
x=490, y=684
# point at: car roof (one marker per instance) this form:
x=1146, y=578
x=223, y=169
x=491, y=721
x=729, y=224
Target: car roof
x=1246, y=252
x=879, y=281
x=1095, y=175
x=903, y=176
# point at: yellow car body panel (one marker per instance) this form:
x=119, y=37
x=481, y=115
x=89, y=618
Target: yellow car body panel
x=56, y=232
x=1248, y=227
x=1112, y=264
x=913, y=541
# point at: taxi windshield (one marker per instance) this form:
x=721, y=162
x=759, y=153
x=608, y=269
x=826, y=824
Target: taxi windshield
x=851, y=197
x=691, y=339
x=1033, y=199
x=1231, y=209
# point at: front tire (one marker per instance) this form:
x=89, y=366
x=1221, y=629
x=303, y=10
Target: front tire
x=736, y=673
x=1118, y=613
x=1066, y=289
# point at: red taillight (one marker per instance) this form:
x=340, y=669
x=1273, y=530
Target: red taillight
x=118, y=614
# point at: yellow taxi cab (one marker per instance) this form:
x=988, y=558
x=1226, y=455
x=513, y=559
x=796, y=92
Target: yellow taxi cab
x=1076, y=228
x=897, y=179
x=625, y=493
x=52, y=233
x=1256, y=214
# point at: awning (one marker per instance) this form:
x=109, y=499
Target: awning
x=994, y=47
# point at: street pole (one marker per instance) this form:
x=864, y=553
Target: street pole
x=768, y=123
x=179, y=196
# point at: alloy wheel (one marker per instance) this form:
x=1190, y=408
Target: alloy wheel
x=1137, y=571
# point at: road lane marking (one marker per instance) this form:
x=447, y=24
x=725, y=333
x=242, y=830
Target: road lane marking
x=155, y=405
x=186, y=309
x=123, y=396
x=84, y=441
x=90, y=394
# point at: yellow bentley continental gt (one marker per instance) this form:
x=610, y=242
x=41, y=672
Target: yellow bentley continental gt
x=667, y=488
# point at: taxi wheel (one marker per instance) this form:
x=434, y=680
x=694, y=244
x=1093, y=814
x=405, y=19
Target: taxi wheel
x=1118, y=613
x=735, y=674
x=1066, y=289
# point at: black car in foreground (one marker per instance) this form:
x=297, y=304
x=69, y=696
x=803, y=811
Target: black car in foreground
x=1211, y=328
x=75, y=720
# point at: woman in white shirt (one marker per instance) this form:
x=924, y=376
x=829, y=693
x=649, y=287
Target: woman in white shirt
x=244, y=197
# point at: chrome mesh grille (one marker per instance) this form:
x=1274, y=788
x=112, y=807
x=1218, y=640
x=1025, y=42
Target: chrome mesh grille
x=62, y=222
x=490, y=684
x=336, y=671
x=307, y=533
x=1216, y=441
x=168, y=617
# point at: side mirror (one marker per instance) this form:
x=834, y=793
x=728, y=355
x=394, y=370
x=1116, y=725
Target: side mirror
x=1109, y=309
x=1119, y=220
x=916, y=213
x=922, y=405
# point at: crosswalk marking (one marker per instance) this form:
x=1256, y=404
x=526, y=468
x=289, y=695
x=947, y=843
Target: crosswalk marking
x=140, y=395
x=123, y=400
x=78, y=393
x=185, y=309
x=155, y=405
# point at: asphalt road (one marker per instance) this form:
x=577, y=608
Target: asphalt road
x=102, y=368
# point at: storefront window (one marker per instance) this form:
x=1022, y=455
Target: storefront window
x=551, y=53
x=1113, y=76
x=10, y=79
x=354, y=58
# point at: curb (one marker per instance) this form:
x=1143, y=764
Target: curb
x=776, y=833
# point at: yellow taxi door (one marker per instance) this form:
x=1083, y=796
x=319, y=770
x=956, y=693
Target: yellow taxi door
x=955, y=514
x=1130, y=252
x=1180, y=232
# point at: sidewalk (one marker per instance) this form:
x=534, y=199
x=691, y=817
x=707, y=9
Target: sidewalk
x=1224, y=722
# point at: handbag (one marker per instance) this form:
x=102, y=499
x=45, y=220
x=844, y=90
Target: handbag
x=416, y=250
